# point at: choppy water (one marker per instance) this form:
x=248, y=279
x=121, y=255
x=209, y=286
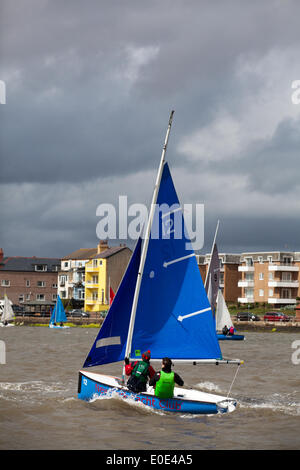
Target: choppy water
x=39, y=408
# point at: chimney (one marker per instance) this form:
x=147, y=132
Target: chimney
x=102, y=246
x=1, y=255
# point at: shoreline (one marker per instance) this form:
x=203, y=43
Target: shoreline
x=240, y=326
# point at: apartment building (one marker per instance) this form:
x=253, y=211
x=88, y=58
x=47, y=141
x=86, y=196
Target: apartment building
x=29, y=282
x=71, y=277
x=269, y=277
x=229, y=274
x=104, y=270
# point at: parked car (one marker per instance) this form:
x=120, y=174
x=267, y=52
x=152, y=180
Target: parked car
x=276, y=316
x=246, y=316
x=78, y=313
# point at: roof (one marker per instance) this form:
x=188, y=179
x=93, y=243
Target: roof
x=19, y=263
x=82, y=253
x=111, y=251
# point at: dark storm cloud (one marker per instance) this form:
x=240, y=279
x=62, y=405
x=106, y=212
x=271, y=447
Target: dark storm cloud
x=73, y=114
x=90, y=86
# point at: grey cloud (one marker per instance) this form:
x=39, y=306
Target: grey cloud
x=73, y=116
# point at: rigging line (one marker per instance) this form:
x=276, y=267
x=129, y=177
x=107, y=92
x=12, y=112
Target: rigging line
x=238, y=368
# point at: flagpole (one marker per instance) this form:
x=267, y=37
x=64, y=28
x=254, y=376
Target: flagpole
x=212, y=249
x=146, y=243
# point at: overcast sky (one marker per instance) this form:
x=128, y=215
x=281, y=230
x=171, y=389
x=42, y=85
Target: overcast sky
x=89, y=89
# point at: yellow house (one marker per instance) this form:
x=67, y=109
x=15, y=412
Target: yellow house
x=103, y=271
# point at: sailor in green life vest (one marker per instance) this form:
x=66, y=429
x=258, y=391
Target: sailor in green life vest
x=139, y=372
x=164, y=381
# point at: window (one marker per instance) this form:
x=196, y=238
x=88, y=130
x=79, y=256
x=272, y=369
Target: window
x=27, y=296
x=286, y=294
x=286, y=276
x=40, y=267
x=41, y=283
x=249, y=276
x=260, y=260
x=287, y=260
x=5, y=283
x=66, y=264
x=27, y=283
x=40, y=296
x=270, y=259
x=261, y=292
x=54, y=296
x=249, y=293
x=249, y=261
x=62, y=280
x=261, y=276
x=95, y=263
x=271, y=292
x=54, y=286
x=21, y=298
x=271, y=276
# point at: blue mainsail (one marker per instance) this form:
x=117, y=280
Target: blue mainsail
x=110, y=343
x=58, y=314
x=173, y=316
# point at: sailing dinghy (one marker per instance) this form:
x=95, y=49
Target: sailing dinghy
x=212, y=286
x=159, y=306
x=7, y=313
x=58, y=316
x=223, y=318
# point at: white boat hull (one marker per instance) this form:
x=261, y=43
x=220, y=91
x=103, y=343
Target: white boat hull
x=92, y=385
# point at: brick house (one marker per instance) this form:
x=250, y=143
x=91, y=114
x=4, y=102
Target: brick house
x=29, y=281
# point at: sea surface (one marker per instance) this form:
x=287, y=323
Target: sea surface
x=39, y=408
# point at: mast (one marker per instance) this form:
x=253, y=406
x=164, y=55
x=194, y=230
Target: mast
x=146, y=242
x=212, y=249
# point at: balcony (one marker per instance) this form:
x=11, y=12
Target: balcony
x=292, y=284
x=91, y=285
x=246, y=269
x=283, y=267
x=92, y=268
x=278, y=300
x=246, y=283
x=91, y=300
x=246, y=300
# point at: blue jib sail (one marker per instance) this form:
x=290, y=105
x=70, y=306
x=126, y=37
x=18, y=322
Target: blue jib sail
x=110, y=343
x=58, y=314
x=173, y=316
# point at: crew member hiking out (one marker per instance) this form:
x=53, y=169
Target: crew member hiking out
x=139, y=372
x=164, y=381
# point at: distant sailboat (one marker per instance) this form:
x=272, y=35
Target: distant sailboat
x=58, y=317
x=223, y=319
x=161, y=305
x=7, y=313
x=218, y=305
